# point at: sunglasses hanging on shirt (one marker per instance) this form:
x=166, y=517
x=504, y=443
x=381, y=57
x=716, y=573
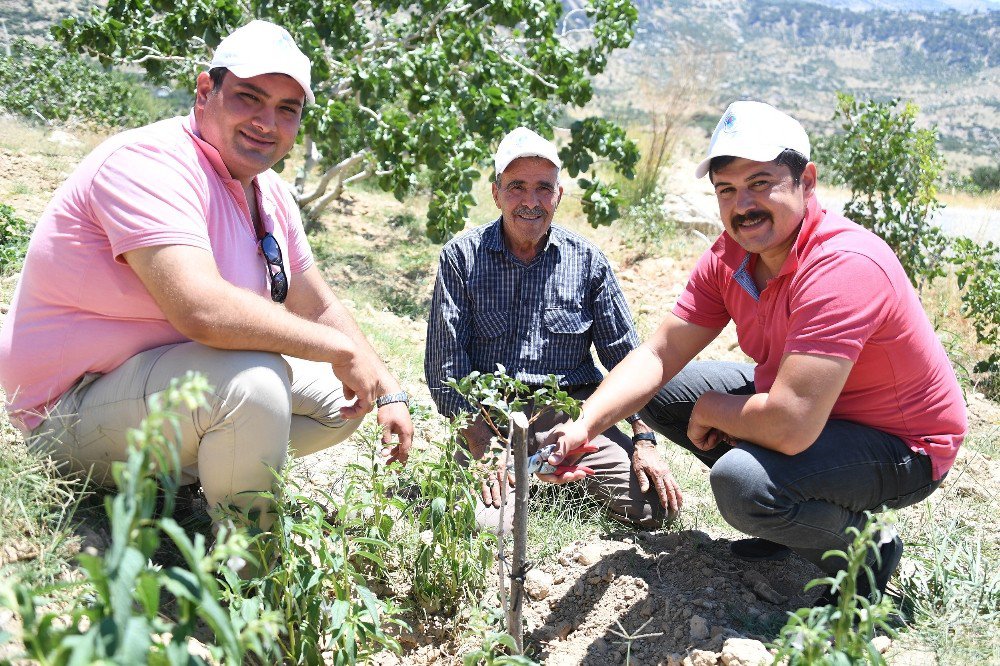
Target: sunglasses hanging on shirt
x=277, y=279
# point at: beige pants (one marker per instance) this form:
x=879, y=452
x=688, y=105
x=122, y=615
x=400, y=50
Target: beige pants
x=612, y=483
x=262, y=403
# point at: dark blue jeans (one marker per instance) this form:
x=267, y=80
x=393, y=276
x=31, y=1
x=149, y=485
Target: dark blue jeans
x=805, y=501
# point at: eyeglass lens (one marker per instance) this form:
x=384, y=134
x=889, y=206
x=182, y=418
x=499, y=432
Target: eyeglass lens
x=272, y=255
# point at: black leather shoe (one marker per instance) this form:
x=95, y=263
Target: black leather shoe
x=890, y=554
x=755, y=549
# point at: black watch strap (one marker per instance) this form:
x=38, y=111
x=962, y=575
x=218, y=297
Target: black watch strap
x=633, y=418
x=644, y=437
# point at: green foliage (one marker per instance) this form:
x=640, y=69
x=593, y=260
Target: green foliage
x=841, y=634
x=311, y=581
x=48, y=83
x=957, y=583
x=452, y=557
x=892, y=168
x=119, y=618
x=402, y=89
x=978, y=270
x=496, y=652
x=645, y=226
x=986, y=178
x=14, y=236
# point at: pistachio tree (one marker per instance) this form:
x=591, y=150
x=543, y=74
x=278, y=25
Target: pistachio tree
x=410, y=94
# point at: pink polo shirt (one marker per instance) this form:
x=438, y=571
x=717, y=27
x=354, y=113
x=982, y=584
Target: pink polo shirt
x=78, y=307
x=841, y=292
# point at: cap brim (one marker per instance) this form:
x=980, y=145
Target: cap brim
x=248, y=71
x=753, y=153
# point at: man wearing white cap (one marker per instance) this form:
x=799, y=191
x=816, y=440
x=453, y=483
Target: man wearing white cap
x=534, y=297
x=851, y=404
x=175, y=248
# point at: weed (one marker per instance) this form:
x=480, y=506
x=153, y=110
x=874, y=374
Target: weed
x=495, y=652
x=310, y=580
x=452, y=558
x=14, y=236
x=120, y=619
x=841, y=633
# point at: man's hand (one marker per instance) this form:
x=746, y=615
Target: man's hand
x=571, y=439
x=395, y=420
x=360, y=379
x=702, y=434
x=477, y=436
x=491, y=487
x=650, y=469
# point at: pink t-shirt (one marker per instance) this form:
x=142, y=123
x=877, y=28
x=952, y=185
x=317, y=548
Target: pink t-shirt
x=78, y=307
x=841, y=292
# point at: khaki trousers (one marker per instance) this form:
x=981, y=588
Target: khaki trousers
x=261, y=403
x=613, y=482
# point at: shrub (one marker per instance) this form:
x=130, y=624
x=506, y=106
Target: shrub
x=978, y=270
x=49, y=83
x=14, y=236
x=892, y=169
x=986, y=178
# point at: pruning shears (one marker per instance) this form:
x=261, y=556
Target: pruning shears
x=538, y=463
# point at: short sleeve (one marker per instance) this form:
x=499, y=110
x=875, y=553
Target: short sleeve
x=701, y=303
x=141, y=199
x=837, y=304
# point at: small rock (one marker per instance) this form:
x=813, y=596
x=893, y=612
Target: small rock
x=589, y=554
x=701, y=658
x=564, y=630
x=699, y=628
x=768, y=593
x=745, y=652
x=881, y=643
x=674, y=659
x=537, y=584
x=594, y=580
x=564, y=559
x=646, y=609
x=558, y=578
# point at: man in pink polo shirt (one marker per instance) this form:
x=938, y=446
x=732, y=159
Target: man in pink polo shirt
x=173, y=248
x=852, y=404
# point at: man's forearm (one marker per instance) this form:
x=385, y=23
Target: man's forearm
x=626, y=390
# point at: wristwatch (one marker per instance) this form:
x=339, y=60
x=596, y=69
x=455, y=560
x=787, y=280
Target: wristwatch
x=393, y=397
x=644, y=437
x=632, y=419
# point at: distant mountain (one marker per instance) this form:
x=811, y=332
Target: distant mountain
x=797, y=55
x=912, y=5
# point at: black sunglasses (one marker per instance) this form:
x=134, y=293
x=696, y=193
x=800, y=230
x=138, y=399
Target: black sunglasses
x=272, y=255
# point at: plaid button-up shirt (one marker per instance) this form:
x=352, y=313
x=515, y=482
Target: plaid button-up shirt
x=535, y=319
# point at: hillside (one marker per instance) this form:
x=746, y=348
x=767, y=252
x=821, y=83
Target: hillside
x=797, y=55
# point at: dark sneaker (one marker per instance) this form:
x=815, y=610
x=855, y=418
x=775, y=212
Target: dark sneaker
x=759, y=550
x=889, y=555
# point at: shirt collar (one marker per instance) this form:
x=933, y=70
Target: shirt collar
x=493, y=238
x=734, y=256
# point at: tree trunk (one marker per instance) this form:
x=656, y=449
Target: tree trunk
x=519, y=442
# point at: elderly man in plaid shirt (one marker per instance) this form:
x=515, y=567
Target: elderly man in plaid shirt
x=534, y=297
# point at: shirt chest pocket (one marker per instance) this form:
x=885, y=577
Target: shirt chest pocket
x=489, y=323
x=567, y=321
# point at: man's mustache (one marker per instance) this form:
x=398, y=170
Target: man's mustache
x=750, y=216
x=524, y=210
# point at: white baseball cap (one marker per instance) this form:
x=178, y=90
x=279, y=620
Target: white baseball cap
x=522, y=142
x=261, y=47
x=754, y=131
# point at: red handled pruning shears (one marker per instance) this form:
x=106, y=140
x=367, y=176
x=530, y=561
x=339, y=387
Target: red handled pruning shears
x=538, y=463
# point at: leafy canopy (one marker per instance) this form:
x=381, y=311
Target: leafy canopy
x=892, y=168
x=404, y=89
